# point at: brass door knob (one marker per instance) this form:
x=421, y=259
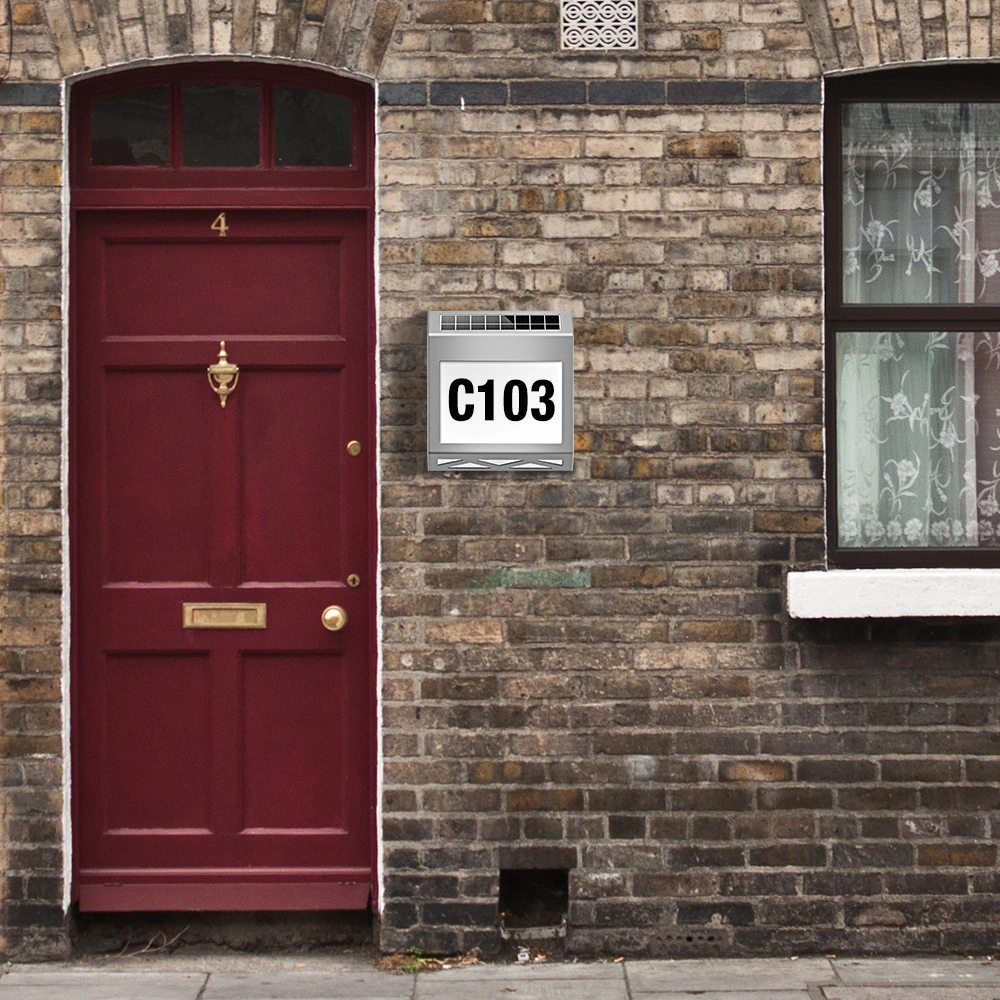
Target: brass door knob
x=334, y=618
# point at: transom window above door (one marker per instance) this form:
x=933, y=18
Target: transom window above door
x=913, y=318
x=235, y=124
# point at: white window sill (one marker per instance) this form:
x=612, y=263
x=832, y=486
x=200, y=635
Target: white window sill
x=894, y=593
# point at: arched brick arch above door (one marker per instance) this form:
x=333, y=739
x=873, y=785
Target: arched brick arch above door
x=352, y=35
x=856, y=34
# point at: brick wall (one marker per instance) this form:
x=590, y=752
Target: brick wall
x=30, y=522
x=591, y=672
x=589, y=664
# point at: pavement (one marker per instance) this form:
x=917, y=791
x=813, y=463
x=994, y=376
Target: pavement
x=353, y=977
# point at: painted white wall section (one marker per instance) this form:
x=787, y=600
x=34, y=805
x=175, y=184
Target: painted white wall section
x=894, y=593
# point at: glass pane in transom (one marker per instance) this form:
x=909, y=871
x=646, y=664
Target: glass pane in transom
x=131, y=128
x=311, y=128
x=221, y=124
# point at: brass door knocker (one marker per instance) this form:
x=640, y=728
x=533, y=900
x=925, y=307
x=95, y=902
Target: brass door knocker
x=223, y=376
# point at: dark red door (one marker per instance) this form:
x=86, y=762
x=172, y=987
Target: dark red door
x=224, y=742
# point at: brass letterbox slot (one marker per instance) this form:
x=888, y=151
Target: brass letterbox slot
x=225, y=615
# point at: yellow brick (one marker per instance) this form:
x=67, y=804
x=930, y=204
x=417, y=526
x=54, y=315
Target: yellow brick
x=458, y=252
x=486, y=631
x=43, y=174
x=42, y=122
x=27, y=13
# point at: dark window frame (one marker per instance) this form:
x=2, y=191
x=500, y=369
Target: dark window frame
x=942, y=83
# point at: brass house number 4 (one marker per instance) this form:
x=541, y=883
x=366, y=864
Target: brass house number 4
x=219, y=226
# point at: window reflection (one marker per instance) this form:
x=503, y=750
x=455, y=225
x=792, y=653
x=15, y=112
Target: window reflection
x=131, y=128
x=311, y=128
x=921, y=206
x=221, y=124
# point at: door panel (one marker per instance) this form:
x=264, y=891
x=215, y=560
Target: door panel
x=240, y=267
x=172, y=749
x=304, y=701
x=151, y=457
x=222, y=767
x=280, y=487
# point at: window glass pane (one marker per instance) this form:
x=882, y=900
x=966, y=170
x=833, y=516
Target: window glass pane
x=221, y=124
x=130, y=129
x=921, y=202
x=311, y=128
x=918, y=439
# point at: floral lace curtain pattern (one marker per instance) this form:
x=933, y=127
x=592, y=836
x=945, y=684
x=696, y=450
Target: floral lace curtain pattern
x=918, y=432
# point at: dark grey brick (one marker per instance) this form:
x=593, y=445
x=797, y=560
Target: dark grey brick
x=548, y=92
x=626, y=92
x=706, y=92
x=443, y=93
x=31, y=94
x=538, y=857
x=400, y=94
x=783, y=92
x=713, y=521
x=735, y=914
x=178, y=33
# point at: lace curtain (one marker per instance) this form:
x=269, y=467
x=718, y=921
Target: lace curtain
x=918, y=432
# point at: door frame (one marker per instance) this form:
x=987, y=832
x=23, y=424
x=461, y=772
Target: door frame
x=355, y=196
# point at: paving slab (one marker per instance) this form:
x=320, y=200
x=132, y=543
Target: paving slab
x=215, y=961
x=540, y=971
x=87, y=984
x=308, y=986
x=291, y=977
x=727, y=975
x=738, y=995
x=906, y=971
x=440, y=986
x=924, y=992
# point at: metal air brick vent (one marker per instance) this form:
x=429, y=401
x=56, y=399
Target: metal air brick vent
x=599, y=24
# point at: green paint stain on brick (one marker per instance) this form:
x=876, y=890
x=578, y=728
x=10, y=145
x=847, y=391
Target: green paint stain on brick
x=531, y=578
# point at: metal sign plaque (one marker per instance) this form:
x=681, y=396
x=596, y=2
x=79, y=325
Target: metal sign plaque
x=500, y=391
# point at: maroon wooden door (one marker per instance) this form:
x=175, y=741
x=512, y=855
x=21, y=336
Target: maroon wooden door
x=222, y=767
